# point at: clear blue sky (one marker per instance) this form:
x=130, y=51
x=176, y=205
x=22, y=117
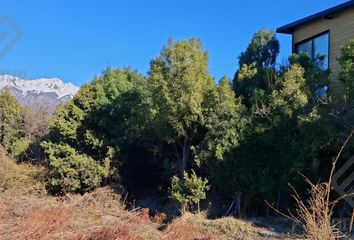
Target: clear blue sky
x=76, y=39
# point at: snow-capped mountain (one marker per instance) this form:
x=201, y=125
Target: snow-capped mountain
x=39, y=93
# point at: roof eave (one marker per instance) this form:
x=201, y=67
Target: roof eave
x=326, y=14
x=285, y=30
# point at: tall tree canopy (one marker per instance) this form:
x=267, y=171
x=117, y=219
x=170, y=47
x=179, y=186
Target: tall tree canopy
x=257, y=63
x=103, y=121
x=180, y=81
x=249, y=138
x=347, y=74
x=288, y=129
x=190, y=107
x=10, y=120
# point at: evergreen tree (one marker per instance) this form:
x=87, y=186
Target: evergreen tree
x=107, y=119
x=180, y=82
x=188, y=190
x=10, y=120
x=346, y=61
x=257, y=64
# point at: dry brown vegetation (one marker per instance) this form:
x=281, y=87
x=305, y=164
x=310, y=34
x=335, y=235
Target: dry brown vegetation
x=27, y=212
x=20, y=179
x=101, y=215
x=314, y=214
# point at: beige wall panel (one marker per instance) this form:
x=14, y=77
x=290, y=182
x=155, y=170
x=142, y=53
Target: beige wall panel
x=341, y=29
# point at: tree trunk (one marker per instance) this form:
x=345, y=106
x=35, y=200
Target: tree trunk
x=244, y=206
x=184, y=208
x=278, y=199
x=185, y=156
x=267, y=212
x=238, y=204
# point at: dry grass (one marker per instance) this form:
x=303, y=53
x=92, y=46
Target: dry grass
x=314, y=214
x=187, y=227
x=118, y=233
x=26, y=212
x=101, y=215
x=97, y=215
x=191, y=227
x=43, y=223
x=20, y=179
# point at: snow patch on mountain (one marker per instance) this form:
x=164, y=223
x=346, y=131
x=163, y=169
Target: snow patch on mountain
x=42, y=85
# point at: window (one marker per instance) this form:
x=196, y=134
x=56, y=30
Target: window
x=315, y=46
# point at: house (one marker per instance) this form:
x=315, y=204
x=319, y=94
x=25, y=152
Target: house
x=324, y=33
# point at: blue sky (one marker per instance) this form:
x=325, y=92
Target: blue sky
x=75, y=40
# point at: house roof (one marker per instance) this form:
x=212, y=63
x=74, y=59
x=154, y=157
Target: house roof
x=326, y=14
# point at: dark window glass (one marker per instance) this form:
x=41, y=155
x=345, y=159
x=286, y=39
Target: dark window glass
x=321, y=48
x=314, y=47
x=305, y=47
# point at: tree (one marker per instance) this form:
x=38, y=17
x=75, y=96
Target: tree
x=108, y=119
x=346, y=61
x=262, y=50
x=316, y=76
x=10, y=120
x=34, y=129
x=226, y=122
x=188, y=190
x=246, y=174
x=288, y=130
x=179, y=81
x=257, y=64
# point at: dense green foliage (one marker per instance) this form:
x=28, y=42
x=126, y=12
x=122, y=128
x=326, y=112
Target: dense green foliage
x=290, y=131
x=246, y=139
x=257, y=64
x=10, y=120
x=180, y=82
x=153, y=127
x=347, y=75
x=72, y=172
x=108, y=116
x=316, y=76
x=196, y=117
x=21, y=128
x=188, y=190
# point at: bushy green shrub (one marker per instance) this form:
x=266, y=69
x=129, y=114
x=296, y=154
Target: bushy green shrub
x=188, y=189
x=10, y=119
x=347, y=75
x=69, y=171
x=315, y=74
x=108, y=120
x=19, y=148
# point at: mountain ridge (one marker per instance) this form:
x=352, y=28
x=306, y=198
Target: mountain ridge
x=39, y=93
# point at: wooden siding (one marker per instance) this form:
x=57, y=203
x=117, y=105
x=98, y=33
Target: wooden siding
x=341, y=31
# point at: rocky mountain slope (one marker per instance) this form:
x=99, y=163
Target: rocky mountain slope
x=44, y=93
